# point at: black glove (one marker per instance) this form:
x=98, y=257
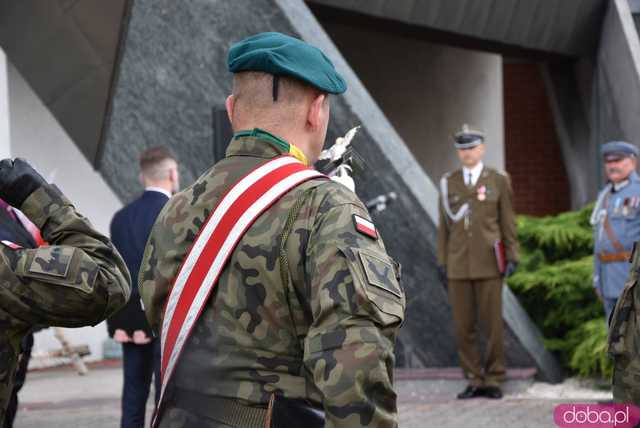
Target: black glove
x=510, y=269
x=17, y=181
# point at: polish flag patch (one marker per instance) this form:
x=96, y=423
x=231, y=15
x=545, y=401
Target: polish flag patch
x=365, y=227
x=11, y=245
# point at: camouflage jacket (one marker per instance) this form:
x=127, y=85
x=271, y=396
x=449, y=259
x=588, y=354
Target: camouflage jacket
x=311, y=315
x=80, y=279
x=624, y=338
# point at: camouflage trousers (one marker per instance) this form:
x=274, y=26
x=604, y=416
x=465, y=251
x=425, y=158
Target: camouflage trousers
x=626, y=378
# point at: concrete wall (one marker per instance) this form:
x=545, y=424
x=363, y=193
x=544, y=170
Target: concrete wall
x=4, y=108
x=595, y=100
x=618, y=77
x=38, y=137
x=428, y=91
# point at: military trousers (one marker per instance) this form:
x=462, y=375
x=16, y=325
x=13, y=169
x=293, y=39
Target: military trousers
x=477, y=306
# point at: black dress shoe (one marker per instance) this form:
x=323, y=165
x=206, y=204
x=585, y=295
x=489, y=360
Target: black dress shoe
x=470, y=392
x=492, y=392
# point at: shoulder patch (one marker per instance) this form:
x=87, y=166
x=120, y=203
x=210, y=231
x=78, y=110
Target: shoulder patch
x=52, y=261
x=365, y=226
x=380, y=273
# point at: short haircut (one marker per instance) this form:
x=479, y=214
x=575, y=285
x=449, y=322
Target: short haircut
x=256, y=89
x=153, y=162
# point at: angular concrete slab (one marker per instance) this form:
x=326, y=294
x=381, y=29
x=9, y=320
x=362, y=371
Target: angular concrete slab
x=564, y=27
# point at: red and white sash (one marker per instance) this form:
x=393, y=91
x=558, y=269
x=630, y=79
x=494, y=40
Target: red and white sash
x=234, y=214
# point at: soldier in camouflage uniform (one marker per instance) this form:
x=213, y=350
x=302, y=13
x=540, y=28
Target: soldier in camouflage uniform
x=78, y=280
x=307, y=307
x=624, y=338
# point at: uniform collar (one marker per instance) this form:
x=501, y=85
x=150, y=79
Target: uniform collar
x=633, y=177
x=261, y=143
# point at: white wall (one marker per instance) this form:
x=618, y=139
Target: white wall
x=37, y=136
x=5, y=149
x=428, y=91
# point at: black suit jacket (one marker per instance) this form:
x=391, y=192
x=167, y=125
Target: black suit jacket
x=130, y=230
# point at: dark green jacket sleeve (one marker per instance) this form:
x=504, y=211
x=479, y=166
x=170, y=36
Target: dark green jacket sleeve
x=79, y=279
x=508, y=220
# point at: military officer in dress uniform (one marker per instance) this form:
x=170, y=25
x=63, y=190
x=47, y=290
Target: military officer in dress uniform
x=616, y=221
x=78, y=280
x=477, y=247
x=300, y=328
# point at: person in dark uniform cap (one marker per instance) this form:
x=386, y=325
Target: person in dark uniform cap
x=477, y=247
x=616, y=222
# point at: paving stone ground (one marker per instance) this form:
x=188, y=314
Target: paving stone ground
x=61, y=398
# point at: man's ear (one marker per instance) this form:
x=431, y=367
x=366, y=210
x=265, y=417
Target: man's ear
x=229, y=104
x=141, y=179
x=314, y=115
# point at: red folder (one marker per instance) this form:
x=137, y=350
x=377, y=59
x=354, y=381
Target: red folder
x=501, y=258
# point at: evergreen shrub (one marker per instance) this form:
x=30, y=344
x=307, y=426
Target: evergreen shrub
x=554, y=284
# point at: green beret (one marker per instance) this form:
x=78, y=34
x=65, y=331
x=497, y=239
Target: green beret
x=282, y=55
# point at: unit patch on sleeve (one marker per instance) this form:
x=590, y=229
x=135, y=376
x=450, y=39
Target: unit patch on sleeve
x=52, y=261
x=365, y=227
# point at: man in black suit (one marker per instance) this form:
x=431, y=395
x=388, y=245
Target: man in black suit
x=130, y=229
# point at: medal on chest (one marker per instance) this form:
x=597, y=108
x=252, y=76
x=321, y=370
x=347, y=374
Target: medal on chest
x=482, y=193
x=625, y=207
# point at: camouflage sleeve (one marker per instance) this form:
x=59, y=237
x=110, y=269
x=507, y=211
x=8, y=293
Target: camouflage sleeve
x=80, y=279
x=357, y=307
x=154, y=289
x=162, y=258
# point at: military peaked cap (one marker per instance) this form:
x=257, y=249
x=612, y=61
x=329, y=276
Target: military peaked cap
x=468, y=138
x=618, y=149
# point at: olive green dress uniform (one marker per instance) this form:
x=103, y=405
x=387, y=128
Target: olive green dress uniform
x=79, y=280
x=306, y=307
x=466, y=248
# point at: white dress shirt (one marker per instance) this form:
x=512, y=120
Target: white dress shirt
x=473, y=173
